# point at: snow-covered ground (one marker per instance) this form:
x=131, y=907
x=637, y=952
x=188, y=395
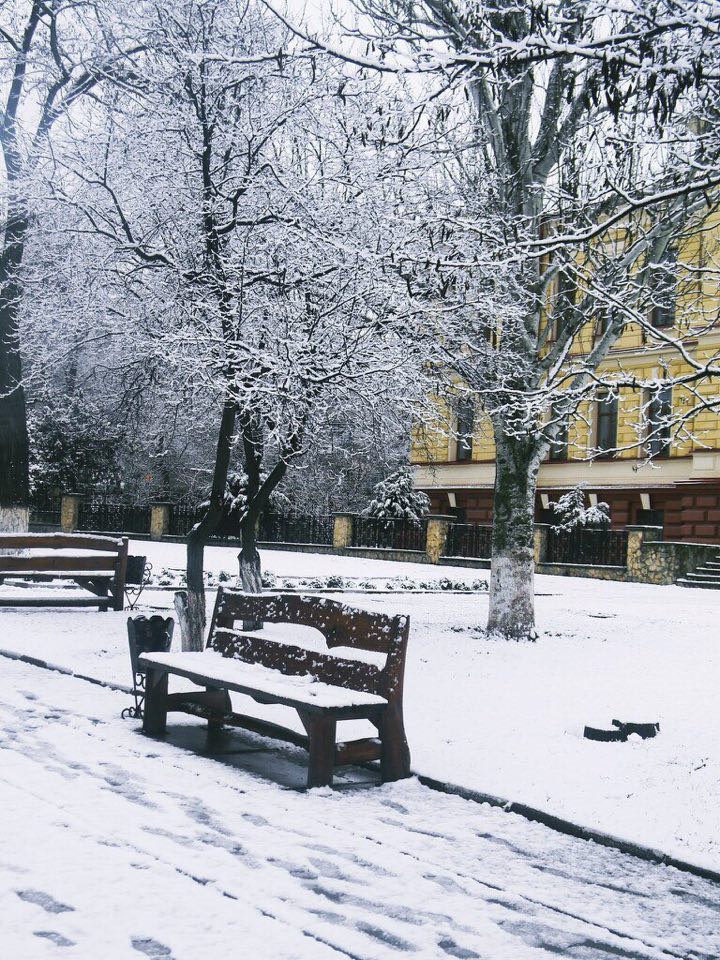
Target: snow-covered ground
x=117, y=846
x=507, y=718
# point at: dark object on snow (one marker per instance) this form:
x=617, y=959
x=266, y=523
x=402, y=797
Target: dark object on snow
x=644, y=730
x=145, y=636
x=622, y=731
x=606, y=736
x=137, y=577
x=375, y=691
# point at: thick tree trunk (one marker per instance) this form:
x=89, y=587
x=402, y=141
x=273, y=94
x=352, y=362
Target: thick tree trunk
x=192, y=623
x=512, y=600
x=14, y=479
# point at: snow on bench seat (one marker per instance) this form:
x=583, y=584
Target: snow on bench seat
x=249, y=678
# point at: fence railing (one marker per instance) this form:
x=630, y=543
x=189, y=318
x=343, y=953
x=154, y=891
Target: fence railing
x=183, y=517
x=45, y=511
x=109, y=516
x=296, y=528
x=389, y=534
x=469, y=540
x=602, y=548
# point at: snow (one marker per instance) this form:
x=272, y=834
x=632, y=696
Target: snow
x=507, y=718
x=122, y=846
x=300, y=689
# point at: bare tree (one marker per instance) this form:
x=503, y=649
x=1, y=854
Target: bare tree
x=237, y=199
x=53, y=53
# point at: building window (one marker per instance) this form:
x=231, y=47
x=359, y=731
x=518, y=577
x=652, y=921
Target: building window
x=563, y=312
x=607, y=424
x=662, y=285
x=659, y=417
x=465, y=428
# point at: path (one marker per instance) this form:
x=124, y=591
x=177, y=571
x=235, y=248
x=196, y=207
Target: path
x=116, y=846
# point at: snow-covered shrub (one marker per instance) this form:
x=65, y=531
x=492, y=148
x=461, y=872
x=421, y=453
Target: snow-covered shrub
x=397, y=499
x=570, y=511
x=270, y=581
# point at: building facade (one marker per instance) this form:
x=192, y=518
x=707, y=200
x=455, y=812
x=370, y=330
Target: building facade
x=620, y=446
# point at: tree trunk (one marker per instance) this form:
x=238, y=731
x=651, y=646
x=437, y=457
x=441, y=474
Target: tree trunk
x=192, y=623
x=14, y=478
x=512, y=600
x=249, y=558
x=194, y=633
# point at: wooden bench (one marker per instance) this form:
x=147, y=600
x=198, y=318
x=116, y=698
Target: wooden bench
x=101, y=572
x=323, y=686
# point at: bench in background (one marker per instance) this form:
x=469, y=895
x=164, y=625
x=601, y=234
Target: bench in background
x=323, y=686
x=101, y=572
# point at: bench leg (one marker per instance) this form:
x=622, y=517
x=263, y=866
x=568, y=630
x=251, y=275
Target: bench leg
x=156, y=696
x=395, y=756
x=321, y=736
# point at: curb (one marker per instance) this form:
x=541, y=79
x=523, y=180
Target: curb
x=571, y=829
x=56, y=668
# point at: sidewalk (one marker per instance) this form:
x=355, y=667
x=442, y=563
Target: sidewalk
x=121, y=846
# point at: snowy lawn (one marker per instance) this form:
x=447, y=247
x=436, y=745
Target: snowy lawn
x=116, y=846
x=507, y=718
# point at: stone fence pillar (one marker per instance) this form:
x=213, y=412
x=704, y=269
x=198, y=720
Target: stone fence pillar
x=342, y=530
x=436, y=535
x=159, y=519
x=540, y=542
x=636, y=564
x=70, y=512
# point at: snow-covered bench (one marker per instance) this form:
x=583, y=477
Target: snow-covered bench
x=97, y=564
x=359, y=675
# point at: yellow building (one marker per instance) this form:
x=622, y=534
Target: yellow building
x=614, y=446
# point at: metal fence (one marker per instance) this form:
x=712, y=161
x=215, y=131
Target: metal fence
x=108, y=516
x=469, y=540
x=601, y=548
x=45, y=511
x=183, y=517
x=389, y=534
x=296, y=528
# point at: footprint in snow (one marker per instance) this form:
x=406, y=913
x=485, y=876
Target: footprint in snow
x=39, y=898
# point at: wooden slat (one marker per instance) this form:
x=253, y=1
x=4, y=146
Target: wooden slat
x=59, y=541
x=296, y=661
x=358, y=751
x=52, y=602
x=59, y=562
x=262, y=727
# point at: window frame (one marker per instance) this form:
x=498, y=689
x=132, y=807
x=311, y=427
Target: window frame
x=607, y=411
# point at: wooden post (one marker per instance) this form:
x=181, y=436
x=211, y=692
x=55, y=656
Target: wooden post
x=540, y=542
x=343, y=530
x=159, y=520
x=436, y=535
x=70, y=512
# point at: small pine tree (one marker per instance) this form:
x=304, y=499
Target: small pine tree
x=571, y=512
x=397, y=499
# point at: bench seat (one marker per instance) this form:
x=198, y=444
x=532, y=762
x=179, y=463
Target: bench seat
x=263, y=684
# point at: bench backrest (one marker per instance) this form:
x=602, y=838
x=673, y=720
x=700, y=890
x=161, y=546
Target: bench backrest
x=342, y=626
x=113, y=552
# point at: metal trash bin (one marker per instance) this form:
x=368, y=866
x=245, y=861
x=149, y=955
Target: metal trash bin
x=145, y=635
